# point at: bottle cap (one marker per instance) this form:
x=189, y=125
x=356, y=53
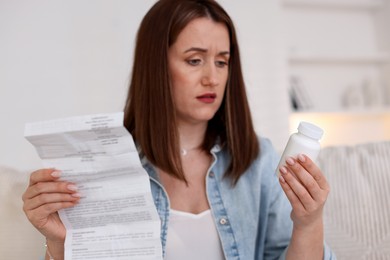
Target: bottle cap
x=310, y=130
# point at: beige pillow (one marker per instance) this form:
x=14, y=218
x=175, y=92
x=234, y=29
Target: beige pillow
x=18, y=238
x=357, y=213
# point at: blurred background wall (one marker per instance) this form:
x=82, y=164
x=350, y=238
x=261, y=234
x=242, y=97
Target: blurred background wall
x=324, y=61
x=67, y=58
x=338, y=56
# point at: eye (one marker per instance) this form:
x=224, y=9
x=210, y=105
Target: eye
x=221, y=63
x=194, y=62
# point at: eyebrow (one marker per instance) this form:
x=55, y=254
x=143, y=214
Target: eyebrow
x=205, y=50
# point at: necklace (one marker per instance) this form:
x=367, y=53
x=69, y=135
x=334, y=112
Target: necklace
x=184, y=152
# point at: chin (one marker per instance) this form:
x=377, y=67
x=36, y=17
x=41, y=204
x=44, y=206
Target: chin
x=206, y=117
x=195, y=120
x=198, y=116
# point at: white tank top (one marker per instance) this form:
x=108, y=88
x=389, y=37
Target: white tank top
x=192, y=237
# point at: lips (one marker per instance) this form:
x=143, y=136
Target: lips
x=207, y=98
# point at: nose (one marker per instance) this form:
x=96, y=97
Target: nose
x=210, y=76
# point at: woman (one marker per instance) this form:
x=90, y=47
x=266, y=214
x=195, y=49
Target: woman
x=188, y=113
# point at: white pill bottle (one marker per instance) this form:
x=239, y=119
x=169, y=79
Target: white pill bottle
x=305, y=141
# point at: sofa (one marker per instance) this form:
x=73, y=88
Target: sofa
x=357, y=213
x=18, y=238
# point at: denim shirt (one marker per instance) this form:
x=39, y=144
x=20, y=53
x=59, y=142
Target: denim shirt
x=252, y=217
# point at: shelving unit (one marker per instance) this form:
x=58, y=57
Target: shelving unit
x=378, y=58
x=348, y=128
x=339, y=55
x=334, y=4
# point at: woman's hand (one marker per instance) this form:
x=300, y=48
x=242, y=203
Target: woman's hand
x=44, y=196
x=306, y=189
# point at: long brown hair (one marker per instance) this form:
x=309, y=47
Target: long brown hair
x=150, y=111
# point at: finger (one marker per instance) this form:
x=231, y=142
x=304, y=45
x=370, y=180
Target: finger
x=49, y=198
x=299, y=190
x=314, y=171
x=291, y=196
x=49, y=187
x=39, y=215
x=43, y=175
x=304, y=178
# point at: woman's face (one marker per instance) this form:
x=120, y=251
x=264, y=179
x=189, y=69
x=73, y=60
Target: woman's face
x=198, y=63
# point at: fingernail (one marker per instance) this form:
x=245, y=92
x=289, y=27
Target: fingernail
x=77, y=195
x=282, y=179
x=72, y=187
x=56, y=174
x=290, y=161
x=301, y=158
x=283, y=170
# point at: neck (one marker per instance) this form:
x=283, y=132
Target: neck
x=192, y=137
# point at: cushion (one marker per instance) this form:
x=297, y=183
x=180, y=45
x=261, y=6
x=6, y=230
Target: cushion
x=18, y=238
x=357, y=213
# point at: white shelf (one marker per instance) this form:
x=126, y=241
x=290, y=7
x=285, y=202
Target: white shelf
x=348, y=128
x=379, y=58
x=336, y=4
x=338, y=47
x=360, y=112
